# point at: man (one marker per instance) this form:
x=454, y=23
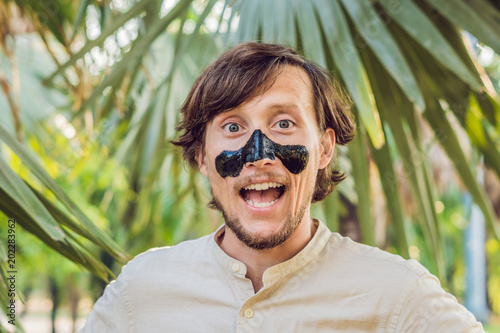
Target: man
x=261, y=124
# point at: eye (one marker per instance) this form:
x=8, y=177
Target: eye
x=284, y=124
x=232, y=127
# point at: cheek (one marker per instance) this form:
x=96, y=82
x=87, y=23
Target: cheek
x=219, y=187
x=217, y=183
x=306, y=180
x=294, y=158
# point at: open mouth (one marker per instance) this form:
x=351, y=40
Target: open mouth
x=262, y=194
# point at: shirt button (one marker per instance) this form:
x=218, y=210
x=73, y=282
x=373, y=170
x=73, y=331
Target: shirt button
x=235, y=267
x=248, y=313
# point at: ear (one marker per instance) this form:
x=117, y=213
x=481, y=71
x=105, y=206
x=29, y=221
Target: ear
x=327, y=145
x=201, y=159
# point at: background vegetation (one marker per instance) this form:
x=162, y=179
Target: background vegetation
x=90, y=98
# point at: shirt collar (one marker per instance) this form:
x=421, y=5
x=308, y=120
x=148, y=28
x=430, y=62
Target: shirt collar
x=276, y=272
x=229, y=263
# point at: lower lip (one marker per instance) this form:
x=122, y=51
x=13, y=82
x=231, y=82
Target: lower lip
x=263, y=209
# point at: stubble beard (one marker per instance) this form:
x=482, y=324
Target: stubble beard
x=264, y=242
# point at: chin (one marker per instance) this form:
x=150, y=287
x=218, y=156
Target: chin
x=264, y=237
x=262, y=227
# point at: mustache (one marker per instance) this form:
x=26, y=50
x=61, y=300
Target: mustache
x=265, y=175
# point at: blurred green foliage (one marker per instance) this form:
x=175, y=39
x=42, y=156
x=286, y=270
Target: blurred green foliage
x=90, y=98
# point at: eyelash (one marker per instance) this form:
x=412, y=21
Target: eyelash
x=226, y=127
x=290, y=124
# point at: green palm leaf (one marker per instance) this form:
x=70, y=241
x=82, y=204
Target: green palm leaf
x=480, y=19
x=378, y=38
x=348, y=63
x=99, y=236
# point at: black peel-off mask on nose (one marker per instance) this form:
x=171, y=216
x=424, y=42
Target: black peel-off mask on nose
x=258, y=147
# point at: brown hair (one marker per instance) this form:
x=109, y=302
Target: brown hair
x=247, y=70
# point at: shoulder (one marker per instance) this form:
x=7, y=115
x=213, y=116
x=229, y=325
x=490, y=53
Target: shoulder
x=169, y=261
x=189, y=248
x=363, y=257
x=147, y=281
x=417, y=300
x=383, y=279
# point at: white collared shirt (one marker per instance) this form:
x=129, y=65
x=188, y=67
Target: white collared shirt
x=332, y=285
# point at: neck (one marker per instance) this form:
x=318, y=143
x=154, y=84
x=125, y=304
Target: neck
x=257, y=261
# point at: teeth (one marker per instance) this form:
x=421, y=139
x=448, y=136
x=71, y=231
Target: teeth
x=260, y=204
x=262, y=186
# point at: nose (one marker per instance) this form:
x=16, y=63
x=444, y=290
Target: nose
x=260, y=163
x=259, y=150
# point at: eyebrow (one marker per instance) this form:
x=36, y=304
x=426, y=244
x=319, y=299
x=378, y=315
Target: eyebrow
x=287, y=108
x=283, y=106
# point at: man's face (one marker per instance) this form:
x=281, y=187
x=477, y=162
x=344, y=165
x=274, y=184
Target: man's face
x=265, y=202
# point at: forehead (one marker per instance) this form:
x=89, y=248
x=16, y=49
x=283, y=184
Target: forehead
x=289, y=88
x=292, y=77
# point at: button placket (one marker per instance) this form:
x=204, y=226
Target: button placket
x=235, y=267
x=248, y=313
